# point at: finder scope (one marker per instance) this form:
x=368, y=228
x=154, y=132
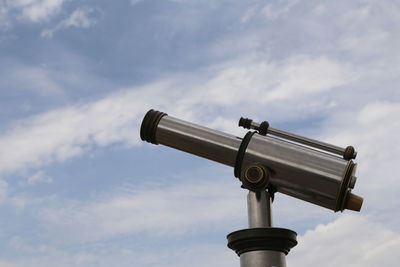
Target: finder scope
x=266, y=157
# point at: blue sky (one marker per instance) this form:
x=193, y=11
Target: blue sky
x=79, y=188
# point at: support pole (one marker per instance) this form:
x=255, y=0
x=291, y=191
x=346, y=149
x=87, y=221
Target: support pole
x=261, y=245
x=259, y=215
x=259, y=209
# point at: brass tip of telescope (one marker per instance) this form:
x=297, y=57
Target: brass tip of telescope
x=353, y=202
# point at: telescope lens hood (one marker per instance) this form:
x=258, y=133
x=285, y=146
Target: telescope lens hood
x=149, y=126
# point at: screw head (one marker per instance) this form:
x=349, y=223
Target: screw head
x=254, y=174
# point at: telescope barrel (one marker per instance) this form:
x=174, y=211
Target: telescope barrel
x=218, y=146
x=299, y=171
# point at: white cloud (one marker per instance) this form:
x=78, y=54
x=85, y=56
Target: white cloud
x=27, y=10
x=372, y=29
x=278, y=9
x=353, y=241
x=83, y=17
x=167, y=256
x=158, y=211
x=299, y=85
x=32, y=78
x=68, y=132
x=303, y=76
x=36, y=10
x=4, y=20
x=3, y=191
x=293, y=88
x=135, y=2
x=17, y=243
x=373, y=132
x=39, y=177
x=18, y=200
x=249, y=14
x=294, y=77
x=80, y=18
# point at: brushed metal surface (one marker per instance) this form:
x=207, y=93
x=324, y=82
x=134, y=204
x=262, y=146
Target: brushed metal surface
x=298, y=171
x=295, y=170
x=263, y=258
x=198, y=140
x=259, y=209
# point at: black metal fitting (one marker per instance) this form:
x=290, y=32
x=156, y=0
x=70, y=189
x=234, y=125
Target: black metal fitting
x=253, y=239
x=242, y=150
x=245, y=123
x=255, y=177
x=263, y=129
x=349, y=153
x=149, y=125
x=271, y=190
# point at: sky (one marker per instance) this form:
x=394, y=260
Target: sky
x=79, y=188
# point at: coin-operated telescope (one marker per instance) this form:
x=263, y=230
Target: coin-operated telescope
x=266, y=160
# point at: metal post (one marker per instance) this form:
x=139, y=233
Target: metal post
x=259, y=209
x=259, y=214
x=261, y=245
x=263, y=258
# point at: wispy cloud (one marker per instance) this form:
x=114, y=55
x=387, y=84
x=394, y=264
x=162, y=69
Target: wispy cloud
x=356, y=238
x=377, y=154
x=35, y=10
x=3, y=191
x=298, y=76
x=68, y=132
x=166, y=211
x=349, y=241
x=341, y=129
x=4, y=20
x=349, y=82
x=83, y=17
x=165, y=256
x=277, y=9
x=39, y=177
x=134, y=2
x=30, y=11
x=31, y=78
